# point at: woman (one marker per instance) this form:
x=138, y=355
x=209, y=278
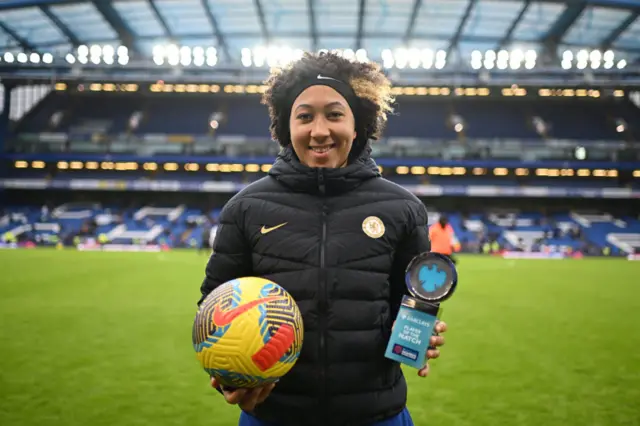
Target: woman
x=329, y=229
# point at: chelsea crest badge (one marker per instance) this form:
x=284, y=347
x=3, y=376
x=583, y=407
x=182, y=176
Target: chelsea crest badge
x=373, y=227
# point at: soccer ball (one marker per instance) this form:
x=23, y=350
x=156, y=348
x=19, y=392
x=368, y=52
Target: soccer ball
x=248, y=332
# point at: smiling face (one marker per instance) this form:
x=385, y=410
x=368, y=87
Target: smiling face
x=322, y=127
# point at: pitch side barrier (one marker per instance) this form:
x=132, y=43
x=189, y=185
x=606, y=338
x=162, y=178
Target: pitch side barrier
x=158, y=248
x=233, y=187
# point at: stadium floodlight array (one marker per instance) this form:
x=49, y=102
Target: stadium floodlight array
x=278, y=56
x=23, y=58
x=359, y=55
x=272, y=56
x=413, y=58
x=185, y=56
x=515, y=59
x=594, y=59
x=97, y=54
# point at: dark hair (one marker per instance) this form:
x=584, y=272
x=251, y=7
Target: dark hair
x=369, y=83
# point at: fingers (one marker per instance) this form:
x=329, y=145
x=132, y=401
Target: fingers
x=237, y=396
x=424, y=371
x=256, y=396
x=232, y=397
x=247, y=399
x=265, y=391
x=436, y=341
x=250, y=400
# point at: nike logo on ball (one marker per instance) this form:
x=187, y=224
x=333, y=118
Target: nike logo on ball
x=222, y=318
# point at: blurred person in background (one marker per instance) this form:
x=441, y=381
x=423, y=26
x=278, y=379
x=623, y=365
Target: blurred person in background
x=205, y=238
x=327, y=227
x=443, y=238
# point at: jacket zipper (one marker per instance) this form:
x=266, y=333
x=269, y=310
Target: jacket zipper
x=322, y=292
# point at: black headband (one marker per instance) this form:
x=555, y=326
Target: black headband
x=338, y=85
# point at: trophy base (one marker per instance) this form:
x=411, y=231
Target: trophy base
x=412, y=331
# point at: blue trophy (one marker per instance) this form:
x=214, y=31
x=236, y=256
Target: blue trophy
x=431, y=278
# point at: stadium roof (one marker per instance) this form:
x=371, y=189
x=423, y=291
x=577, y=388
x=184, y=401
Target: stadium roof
x=456, y=26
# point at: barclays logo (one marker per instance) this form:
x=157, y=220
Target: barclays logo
x=431, y=278
x=417, y=321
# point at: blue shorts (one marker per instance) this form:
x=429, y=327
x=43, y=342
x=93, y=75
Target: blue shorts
x=402, y=419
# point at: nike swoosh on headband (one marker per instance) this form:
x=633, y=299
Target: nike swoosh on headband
x=321, y=77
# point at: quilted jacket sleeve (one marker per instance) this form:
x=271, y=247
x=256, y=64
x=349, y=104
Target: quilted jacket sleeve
x=415, y=242
x=231, y=255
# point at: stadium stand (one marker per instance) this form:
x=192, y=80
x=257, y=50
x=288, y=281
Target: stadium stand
x=107, y=144
x=171, y=138
x=490, y=230
x=191, y=114
x=127, y=125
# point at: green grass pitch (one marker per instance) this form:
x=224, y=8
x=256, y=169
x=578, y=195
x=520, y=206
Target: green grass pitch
x=105, y=339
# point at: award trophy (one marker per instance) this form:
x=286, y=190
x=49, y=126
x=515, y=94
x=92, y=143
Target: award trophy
x=431, y=278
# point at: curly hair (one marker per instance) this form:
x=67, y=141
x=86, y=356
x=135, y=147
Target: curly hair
x=369, y=83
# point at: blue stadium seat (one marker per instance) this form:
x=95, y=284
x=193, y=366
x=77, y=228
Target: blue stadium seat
x=414, y=117
x=490, y=119
x=420, y=119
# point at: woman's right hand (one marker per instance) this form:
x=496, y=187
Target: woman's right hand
x=246, y=399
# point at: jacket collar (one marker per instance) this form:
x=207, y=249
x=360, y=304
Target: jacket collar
x=289, y=171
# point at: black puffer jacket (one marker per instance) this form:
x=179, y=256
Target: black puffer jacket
x=347, y=284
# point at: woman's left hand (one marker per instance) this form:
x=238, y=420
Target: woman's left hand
x=435, y=342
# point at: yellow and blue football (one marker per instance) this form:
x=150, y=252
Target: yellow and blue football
x=248, y=332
